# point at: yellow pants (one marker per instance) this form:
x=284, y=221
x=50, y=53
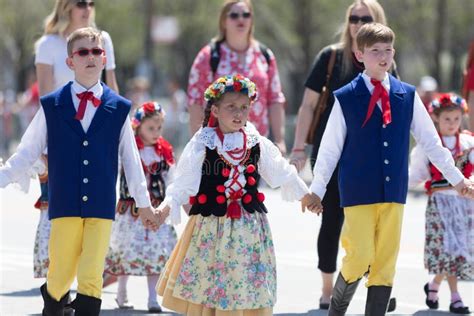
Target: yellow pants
x=371, y=239
x=77, y=246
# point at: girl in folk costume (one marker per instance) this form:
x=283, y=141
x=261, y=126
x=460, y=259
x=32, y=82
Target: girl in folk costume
x=449, y=252
x=135, y=250
x=224, y=263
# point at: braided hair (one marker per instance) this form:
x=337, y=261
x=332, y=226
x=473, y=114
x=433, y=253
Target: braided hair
x=207, y=113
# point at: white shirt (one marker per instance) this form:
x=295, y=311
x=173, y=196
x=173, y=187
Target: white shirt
x=419, y=163
x=273, y=167
x=34, y=142
x=51, y=50
x=422, y=129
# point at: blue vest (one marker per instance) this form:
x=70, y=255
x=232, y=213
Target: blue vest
x=373, y=167
x=83, y=166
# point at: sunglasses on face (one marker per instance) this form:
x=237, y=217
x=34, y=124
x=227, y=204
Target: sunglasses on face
x=84, y=4
x=354, y=19
x=85, y=52
x=235, y=15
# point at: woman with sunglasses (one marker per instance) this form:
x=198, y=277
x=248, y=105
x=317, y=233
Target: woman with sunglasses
x=345, y=69
x=239, y=52
x=52, y=73
x=51, y=52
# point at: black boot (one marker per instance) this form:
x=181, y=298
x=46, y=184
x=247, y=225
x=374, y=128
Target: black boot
x=86, y=305
x=342, y=294
x=51, y=306
x=377, y=300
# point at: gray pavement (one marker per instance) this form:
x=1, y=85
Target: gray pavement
x=299, y=284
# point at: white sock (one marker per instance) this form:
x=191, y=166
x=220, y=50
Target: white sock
x=152, y=281
x=122, y=288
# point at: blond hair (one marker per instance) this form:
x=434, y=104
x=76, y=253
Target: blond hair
x=225, y=9
x=58, y=21
x=90, y=33
x=345, y=41
x=373, y=33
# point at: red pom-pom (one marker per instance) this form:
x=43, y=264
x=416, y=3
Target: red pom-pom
x=250, y=168
x=220, y=188
x=260, y=197
x=247, y=198
x=225, y=172
x=192, y=200
x=202, y=199
x=251, y=181
x=233, y=210
x=220, y=199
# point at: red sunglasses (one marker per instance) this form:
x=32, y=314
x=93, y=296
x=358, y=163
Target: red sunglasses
x=85, y=52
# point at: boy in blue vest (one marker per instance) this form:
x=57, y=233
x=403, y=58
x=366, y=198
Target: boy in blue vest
x=85, y=127
x=369, y=135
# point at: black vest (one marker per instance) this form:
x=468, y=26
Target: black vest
x=210, y=201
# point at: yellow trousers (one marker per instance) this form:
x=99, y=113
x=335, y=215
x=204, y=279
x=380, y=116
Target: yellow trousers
x=77, y=246
x=371, y=239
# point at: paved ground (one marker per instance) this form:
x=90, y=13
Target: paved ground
x=295, y=239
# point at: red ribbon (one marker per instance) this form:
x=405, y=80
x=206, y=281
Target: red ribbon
x=84, y=97
x=379, y=94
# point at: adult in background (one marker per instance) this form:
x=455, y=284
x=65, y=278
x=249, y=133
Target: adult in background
x=345, y=69
x=235, y=50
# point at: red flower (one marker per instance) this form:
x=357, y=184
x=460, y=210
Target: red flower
x=149, y=107
x=237, y=86
x=445, y=99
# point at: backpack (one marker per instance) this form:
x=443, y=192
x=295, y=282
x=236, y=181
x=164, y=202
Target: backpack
x=216, y=54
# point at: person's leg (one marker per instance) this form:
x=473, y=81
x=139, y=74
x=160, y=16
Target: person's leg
x=122, y=297
x=91, y=266
x=65, y=245
x=387, y=244
x=457, y=305
x=357, y=239
x=328, y=240
x=153, y=305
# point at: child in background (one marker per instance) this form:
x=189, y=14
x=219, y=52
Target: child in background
x=134, y=249
x=449, y=251
x=224, y=263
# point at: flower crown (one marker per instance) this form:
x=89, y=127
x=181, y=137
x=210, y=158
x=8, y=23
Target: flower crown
x=236, y=83
x=449, y=100
x=147, y=109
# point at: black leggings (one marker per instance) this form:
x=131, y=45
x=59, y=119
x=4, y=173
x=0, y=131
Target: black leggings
x=330, y=231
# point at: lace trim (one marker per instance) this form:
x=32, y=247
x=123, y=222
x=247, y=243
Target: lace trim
x=209, y=138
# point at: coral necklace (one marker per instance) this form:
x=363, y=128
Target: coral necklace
x=236, y=154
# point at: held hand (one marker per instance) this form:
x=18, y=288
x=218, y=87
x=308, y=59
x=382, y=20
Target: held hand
x=187, y=208
x=312, y=202
x=147, y=215
x=162, y=214
x=465, y=188
x=298, y=159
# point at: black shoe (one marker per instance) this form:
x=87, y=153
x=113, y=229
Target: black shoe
x=342, y=294
x=392, y=305
x=377, y=300
x=86, y=305
x=431, y=304
x=322, y=305
x=51, y=306
x=458, y=310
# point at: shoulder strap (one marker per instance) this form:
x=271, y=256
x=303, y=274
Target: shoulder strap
x=215, y=55
x=332, y=61
x=265, y=52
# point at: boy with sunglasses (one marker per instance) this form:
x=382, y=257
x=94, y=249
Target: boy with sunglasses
x=85, y=127
x=370, y=122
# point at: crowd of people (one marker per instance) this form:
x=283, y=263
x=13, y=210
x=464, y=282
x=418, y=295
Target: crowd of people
x=356, y=114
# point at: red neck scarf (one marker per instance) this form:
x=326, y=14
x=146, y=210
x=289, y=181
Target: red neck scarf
x=84, y=97
x=379, y=94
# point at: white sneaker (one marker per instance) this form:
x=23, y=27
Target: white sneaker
x=123, y=303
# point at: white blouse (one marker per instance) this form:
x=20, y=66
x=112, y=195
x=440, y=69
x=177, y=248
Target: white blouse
x=419, y=170
x=273, y=167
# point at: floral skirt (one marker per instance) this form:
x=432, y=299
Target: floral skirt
x=40, y=253
x=135, y=250
x=222, y=266
x=449, y=241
